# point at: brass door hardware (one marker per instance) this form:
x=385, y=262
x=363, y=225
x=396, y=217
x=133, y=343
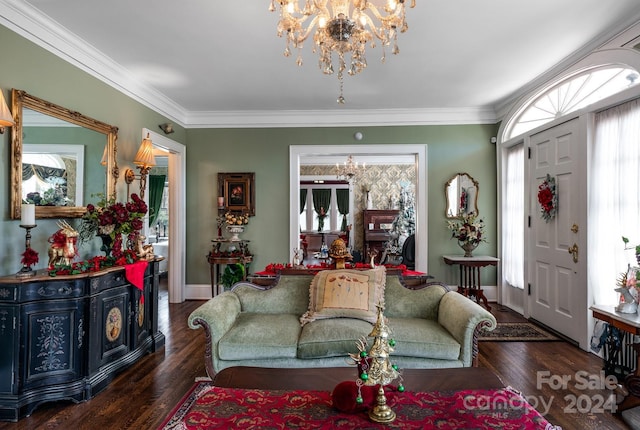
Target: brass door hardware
x=573, y=250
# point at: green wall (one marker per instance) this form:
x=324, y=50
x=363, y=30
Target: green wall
x=30, y=68
x=451, y=149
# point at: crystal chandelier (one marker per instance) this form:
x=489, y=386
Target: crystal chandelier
x=349, y=169
x=342, y=26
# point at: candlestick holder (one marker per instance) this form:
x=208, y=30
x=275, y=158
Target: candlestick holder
x=26, y=271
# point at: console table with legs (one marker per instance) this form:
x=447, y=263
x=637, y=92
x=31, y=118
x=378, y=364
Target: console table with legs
x=469, y=281
x=225, y=252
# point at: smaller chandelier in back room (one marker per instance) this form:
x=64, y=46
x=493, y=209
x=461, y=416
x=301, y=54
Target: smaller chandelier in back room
x=341, y=27
x=349, y=170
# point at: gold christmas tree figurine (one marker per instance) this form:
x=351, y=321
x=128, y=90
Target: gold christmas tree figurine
x=375, y=368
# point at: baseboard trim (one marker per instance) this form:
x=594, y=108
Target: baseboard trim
x=197, y=292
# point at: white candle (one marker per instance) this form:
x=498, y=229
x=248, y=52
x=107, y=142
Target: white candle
x=220, y=202
x=28, y=214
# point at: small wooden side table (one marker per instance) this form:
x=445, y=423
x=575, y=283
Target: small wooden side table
x=220, y=255
x=469, y=283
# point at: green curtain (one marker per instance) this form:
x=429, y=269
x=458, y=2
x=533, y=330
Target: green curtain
x=342, y=196
x=303, y=199
x=156, y=189
x=321, y=201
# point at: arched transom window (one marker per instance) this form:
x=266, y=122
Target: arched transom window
x=571, y=94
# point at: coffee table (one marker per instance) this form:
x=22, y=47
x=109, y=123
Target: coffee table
x=326, y=378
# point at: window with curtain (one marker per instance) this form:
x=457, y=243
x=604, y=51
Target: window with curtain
x=321, y=206
x=342, y=197
x=614, y=206
x=513, y=217
x=44, y=180
x=335, y=210
x=156, y=190
x=303, y=214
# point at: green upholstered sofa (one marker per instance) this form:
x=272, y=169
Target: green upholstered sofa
x=254, y=325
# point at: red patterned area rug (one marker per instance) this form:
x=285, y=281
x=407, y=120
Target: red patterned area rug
x=209, y=407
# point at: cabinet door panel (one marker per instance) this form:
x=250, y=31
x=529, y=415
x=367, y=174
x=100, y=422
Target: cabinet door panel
x=54, y=337
x=110, y=318
x=8, y=355
x=142, y=310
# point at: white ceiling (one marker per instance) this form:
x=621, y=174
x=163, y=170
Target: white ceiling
x=220, y=63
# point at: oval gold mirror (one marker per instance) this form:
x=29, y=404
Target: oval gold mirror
x=461, y=194
x=59, y=158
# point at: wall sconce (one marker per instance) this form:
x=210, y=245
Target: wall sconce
x=6, y=119
x=145, y=161
x=167, y=127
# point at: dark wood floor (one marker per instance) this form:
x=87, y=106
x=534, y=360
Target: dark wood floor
x=142, y=396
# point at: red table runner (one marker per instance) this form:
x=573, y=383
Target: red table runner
x=208, y=407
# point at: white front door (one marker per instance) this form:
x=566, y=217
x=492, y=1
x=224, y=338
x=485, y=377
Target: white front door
x=557, y=277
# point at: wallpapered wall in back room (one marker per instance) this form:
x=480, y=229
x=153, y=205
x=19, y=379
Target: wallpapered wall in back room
x=383, y=181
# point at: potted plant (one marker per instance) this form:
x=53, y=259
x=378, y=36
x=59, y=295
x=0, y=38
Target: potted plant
x=233, y=273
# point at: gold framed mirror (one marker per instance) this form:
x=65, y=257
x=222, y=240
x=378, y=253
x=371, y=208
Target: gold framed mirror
x=461, y=193
x=69, y=185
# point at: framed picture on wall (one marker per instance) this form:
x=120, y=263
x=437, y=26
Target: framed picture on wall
x=238, y=192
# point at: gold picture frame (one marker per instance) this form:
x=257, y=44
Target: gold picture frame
x=238, y=192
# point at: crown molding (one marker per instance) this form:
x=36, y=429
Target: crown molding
x=40, y=29
x=340, y=118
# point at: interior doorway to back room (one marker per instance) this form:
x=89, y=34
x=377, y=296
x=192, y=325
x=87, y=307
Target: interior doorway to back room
x=170, y=228
x=159, y=209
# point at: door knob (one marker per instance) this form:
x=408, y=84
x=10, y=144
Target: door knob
x=573, y=250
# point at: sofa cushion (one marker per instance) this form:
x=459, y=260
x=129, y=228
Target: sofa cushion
x=256, y=336
x=346, y=293
x=417, y=337
x=289, y=296
x=403, y=302
x=331, y=337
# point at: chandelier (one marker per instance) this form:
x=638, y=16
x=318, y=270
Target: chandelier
x=349, y=169
x=342, y=26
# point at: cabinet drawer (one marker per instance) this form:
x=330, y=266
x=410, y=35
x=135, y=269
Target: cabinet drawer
x=110, y=280
x=61, y=289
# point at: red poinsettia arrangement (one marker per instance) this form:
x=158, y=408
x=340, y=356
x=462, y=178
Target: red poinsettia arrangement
x=548, y=198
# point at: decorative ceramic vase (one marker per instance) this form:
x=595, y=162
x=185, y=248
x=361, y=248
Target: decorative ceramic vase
x=235, y=230
x=107, y=243
x=468, y=248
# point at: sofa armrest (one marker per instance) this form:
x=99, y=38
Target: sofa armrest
x=464, y=319
x=216, y=317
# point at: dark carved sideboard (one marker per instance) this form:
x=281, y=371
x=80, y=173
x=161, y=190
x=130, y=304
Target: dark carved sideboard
x=66, y=337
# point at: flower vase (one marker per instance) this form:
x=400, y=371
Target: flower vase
x=468, y=248
x=235, y=230
x=107, y=243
